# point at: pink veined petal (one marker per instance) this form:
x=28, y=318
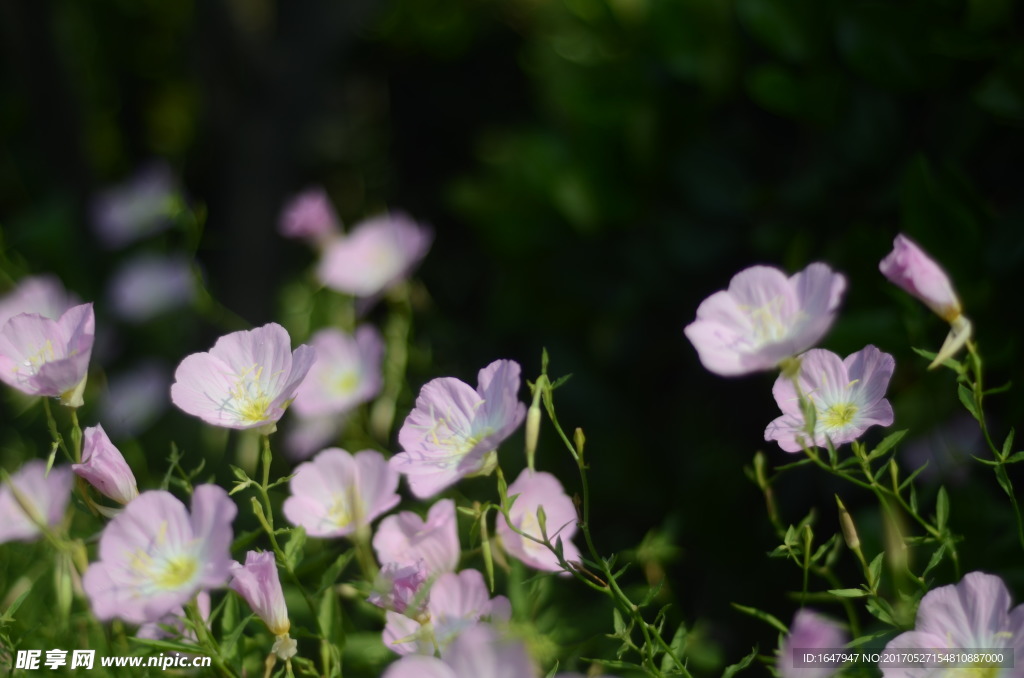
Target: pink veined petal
x=446, y=399
x=786, y=396
x=406, y=538
x=425, y=474
x=419, y=666
x=911, y=269
x=301, y=361
x=213, y=511
x=402, y=635
x=878, y=414
x=823, y=375
x=201, y=385
x=480, y=653
x=764, y=287
x=871, y=370
x=377, y=483
x=788, y=431
x=819, y=289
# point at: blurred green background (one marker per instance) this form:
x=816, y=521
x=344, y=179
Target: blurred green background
x=592, y=169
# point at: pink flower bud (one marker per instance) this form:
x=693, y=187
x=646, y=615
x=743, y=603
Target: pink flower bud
x=104, y=467
x=909, y=267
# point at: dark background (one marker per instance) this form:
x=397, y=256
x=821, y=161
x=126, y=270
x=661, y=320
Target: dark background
x=592, y=169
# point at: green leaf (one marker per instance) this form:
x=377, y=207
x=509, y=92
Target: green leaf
x=763, y=616
x=1015, y=457
x=942, y=509
x=967, y=399
x=618, y=624
x=332, y=573
x=293, y=549
x=740, y=665
x=875, y=568
x=1008, y=443
x=848, y=593
x=934, y=560
x=888, y=442
x=675, y=649
x=881, y=609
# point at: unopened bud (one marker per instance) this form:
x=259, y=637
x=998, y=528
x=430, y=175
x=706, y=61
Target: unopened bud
x=580, y=441
x=532, y=432
x=849, y=529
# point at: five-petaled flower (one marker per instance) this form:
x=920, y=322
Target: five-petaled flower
x=33, y=499
x=337, y=493
x=847, y=395
x=765, y=318
x=46, y=357
x=245, y=381
x=810, y=632
x=378, y=253
x=536, y=490
x=155, y=555
x=972, y=615
x=453, y=431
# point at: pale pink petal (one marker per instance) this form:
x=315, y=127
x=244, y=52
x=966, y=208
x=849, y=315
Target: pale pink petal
x=104, y=467
x=407, y=539
x=46, y=497
x=911, y=269
x=419, y=666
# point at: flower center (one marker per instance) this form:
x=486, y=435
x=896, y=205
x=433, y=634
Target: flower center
x=176, y=572
x=249, y=401
x=44, y=355
x=839, y=415
x=345, y=383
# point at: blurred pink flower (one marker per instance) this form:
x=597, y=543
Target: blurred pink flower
x=454, y=431
x=407, y=539
x=135, y=398
x=172, y=625
x=305, y=436
x=150, y=284
x=848, y=397
x=155, y=556
x=45, y=496
x=397, y=586
x=913, y=270
x=259, y=583
x=764, y=318
x=337, y=493
x=45, y=357
x=810, y=632
x=104, y=467
x=346, y=373
x=479, y=652
x=455, y=603
x=375, y=255
x=40, y=294
x=309, y=216
x=974, y=614
x=245, y=381
x=143, y=205
x=536, y=490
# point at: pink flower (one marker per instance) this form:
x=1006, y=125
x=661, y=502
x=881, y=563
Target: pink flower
x=337, y=493
x=810, y=632
x=912, y=269
x=454, y=430
x=397, y=587
x=479, y=652
x=378, y=253
x=347, y=372
x=104, y=467
x=764, y=318
x=456, y=603
x=45, y=496
x=310, y=216
x=308, y=435
x=155, y=556
x=135, y=398
x=141, y=206
x=406, y=539
x=909, y=267
x=149, y=285
x=246, y=380
x=974, y=614
x=258, y=582
x=45, y=357
x=41, y=294
x=848, y=397
x=536, y=490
